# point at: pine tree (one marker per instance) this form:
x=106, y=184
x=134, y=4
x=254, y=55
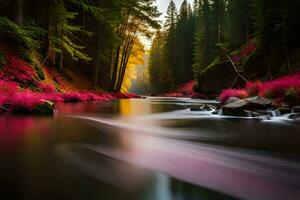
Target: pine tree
x=239, y=23
x=156, y=64
x=184, y=36
x=218, y=10
x=169, y=53
x=61, y=35
x=269, y=27
x=204, y=52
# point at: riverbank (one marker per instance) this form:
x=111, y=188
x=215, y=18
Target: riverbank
x=14, y=99
x=27, y=86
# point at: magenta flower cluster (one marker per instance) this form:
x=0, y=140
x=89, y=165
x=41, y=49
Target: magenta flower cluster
x=282, y=90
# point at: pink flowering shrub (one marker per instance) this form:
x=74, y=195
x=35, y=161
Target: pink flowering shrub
x=73, y=97
x=285, y=89
x=108, y=96
x=248, y=49
x=16, y=75
x=226, y=94
x=253, y=88
x=8, y=88
x=185, y=90
x=47, y=88
x=54, y=97
x=24, y=101
x=18, y=71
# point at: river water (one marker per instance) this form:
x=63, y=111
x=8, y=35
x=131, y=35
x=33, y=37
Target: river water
x=147, y=149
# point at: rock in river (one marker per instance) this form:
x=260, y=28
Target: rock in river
x=46, y=107
x=244, y=107
x=249, y=103
x=203, y=108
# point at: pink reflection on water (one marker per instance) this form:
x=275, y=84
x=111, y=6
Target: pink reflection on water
x=15, y=131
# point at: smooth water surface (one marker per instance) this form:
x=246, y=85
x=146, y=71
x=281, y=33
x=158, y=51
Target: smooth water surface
x=147, y=149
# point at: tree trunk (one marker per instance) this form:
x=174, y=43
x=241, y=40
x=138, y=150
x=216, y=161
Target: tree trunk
x=97, y=56
x=19, y=18
x=115, y=68
x=61, y=61
x=220, y=29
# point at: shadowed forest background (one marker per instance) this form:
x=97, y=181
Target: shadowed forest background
x=220, y=43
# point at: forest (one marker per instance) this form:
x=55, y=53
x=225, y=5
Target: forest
x=99, y=38
x=225, y=44
x=150, y=99
x=198, y=50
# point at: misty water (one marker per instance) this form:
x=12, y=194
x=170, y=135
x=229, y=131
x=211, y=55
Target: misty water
x=147, y=149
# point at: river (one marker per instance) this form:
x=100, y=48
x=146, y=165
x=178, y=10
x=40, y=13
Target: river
x=147, y=149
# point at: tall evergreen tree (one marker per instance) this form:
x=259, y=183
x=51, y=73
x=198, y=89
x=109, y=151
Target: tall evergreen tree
x=239, y=23
x=61, y=35
x=170, y=55
x=184, y=35
x=204, y=52
x=156, y=63
x=218, y=10
x=270, y=26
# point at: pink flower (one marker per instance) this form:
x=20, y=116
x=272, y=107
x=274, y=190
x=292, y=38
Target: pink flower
x=48, y=88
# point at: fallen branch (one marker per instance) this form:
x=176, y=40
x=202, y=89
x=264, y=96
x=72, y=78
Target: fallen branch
x=235, y=69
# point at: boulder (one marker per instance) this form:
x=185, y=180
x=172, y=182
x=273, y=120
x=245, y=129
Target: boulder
x=237, y=105
x=259, y=102
x=231, y=100
x=217, y=77
x=235, y=112
x=284, y=110
x=46, y=107
x=253, y=103
x=247, y=107
x=295, y=116
x=296, y=109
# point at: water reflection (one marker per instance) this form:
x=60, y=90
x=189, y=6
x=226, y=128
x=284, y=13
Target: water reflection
x=146, y=149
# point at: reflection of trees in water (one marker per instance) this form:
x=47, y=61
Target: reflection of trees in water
x=186, y=191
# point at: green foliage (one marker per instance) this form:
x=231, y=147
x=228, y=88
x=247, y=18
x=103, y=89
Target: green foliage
x=25, y=55
x=27, y=36
x=239, y=23
x=205, y=39
x=39, y=71
x=62, y=32
x=191, y=41
x=185, y=44
x=85, y=5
